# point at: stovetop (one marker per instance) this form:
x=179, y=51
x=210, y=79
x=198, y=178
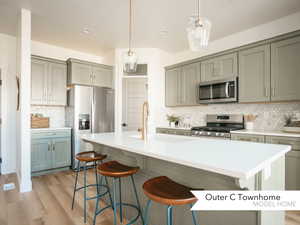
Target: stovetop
x=215, y=129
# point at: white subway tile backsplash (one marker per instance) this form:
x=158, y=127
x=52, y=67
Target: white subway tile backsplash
x=55, y=113
x=270, y=116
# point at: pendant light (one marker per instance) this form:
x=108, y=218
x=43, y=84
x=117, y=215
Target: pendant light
x=198, y=31
x=130, y=57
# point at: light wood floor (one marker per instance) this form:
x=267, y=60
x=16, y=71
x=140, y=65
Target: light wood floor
x=50, y=203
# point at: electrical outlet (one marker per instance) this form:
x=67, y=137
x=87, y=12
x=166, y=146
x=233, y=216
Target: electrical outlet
x=9, y=186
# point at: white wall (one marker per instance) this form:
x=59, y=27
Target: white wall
x=8, y=101
x=23, y=115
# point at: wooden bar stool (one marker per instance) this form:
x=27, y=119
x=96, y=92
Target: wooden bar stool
x=85, y=158
x=117, y=171
x=165, y=191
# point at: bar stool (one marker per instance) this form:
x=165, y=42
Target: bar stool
x=85, y=158
x=165, y=191
x=117, y=171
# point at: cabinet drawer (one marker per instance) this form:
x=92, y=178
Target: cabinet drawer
x=249, y=138
x=50, y=134
x=294, y=142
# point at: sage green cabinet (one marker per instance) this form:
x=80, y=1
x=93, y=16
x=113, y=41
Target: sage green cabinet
x=182, y=85
x=292, y=160
x=48, y=81
x=285, y=70
x=249, y=138
x=41, y=154
x=50, y=150
x=255, y=74
x=172, y=88
x=89, y=74
x=61, y=152
x=220, y=67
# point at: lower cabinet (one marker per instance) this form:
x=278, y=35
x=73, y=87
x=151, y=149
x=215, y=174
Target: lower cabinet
x=50, y=151
x=292, y=159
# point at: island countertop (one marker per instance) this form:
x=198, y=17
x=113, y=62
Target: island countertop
x=236, y=159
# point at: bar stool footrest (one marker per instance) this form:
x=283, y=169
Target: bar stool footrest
x=97, y=195
x=133, y=220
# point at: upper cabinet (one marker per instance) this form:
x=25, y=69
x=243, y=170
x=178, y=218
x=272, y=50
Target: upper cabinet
x=48, y=81
x=90, y=74
x=219, y=67
x=254, y=74
x=285, y=69
x=181, y=85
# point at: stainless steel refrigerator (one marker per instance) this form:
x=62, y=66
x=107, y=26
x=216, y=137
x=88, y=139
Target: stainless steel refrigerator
x=89, y=110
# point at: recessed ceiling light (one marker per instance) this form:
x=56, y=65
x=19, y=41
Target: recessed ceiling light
x=163, y=33
x=85, y=31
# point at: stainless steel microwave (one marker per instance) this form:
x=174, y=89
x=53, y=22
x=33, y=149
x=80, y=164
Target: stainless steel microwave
x=219, y=91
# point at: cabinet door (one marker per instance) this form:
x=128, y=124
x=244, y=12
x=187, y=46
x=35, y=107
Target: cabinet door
x=219, y=68
x=39, y=71
x=249, y=138
x=172, y=87
x=207, y=70
x=190, y=82
x=292, y=170
x=57, y=84
x=285, y=70
x=61, y=148
x=80, y=74
x=102, y=77
x=41, y=154
x=254, y=74
x=292, y=161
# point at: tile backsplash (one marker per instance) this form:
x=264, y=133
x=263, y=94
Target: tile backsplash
x=55, y=113
x=270, y=116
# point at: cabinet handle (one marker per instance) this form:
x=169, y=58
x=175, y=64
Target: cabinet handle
x=273, y=91
x=49, y=147
x=266, y=92
x=53, y=146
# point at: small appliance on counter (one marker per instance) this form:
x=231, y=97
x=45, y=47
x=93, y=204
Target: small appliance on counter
x=39, y=121
x=219, y=126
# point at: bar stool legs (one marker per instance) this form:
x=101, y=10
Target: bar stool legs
x=137, y=199
x=75, y=186
x=169, y=214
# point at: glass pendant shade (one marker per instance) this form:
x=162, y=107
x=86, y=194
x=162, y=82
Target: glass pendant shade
x=130, y=61
x=198, y=32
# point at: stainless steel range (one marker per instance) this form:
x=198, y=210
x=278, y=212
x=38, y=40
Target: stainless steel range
x=219, y=125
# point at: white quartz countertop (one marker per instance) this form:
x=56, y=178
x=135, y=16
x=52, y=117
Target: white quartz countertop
x=236, y=159
x=266, y=132
x=50, y=129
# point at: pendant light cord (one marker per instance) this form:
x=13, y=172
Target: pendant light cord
x=130, y=24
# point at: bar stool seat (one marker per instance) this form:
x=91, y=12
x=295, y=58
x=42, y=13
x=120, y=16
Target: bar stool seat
x=116, y=169
x=90, y=156
x=165, y=191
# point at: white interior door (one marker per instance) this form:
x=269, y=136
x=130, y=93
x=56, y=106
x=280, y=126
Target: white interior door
x=134, y=95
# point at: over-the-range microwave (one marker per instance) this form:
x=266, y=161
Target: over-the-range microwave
x=219, y=91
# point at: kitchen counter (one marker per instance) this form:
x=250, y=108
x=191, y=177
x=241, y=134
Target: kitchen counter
x=50, y=129
x=267, y=133
x=231, y=158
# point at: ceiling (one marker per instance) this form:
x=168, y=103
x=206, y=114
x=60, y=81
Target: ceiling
x=157, y=23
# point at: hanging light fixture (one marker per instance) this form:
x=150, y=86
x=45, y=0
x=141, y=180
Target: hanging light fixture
x=130, y=57
x=198, y=31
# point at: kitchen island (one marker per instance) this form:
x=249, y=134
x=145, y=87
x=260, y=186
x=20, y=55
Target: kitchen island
x=213, y=164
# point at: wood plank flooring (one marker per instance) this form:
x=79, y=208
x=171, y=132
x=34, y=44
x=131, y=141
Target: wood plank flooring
x=50, y=203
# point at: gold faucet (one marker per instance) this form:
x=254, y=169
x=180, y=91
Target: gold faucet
x=145, y=116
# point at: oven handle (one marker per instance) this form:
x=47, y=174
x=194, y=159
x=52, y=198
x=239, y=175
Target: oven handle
x=227, y=90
